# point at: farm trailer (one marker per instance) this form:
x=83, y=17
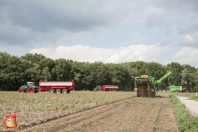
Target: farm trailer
x=106, y=88
x=52, y=87
x=109, y=87
x=57, y=87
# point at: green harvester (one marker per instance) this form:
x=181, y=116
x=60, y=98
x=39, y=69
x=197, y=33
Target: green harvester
x=145, y=86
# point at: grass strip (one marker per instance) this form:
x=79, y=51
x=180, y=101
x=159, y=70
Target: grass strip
x=193, y=98
x=186, y=121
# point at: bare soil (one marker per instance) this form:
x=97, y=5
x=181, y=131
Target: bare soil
x=136, y=114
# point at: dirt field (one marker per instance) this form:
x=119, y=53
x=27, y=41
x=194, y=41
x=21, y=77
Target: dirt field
x=127, y=115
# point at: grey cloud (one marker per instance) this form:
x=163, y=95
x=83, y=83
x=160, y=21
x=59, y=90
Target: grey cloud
x=43, y=18
x=72, y=15
x=177, y=17
x=181, y=6
x=188, y=44
x=37, y=21
x=38, y=16
x=189, y=28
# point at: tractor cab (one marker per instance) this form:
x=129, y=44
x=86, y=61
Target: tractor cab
x=30, y=84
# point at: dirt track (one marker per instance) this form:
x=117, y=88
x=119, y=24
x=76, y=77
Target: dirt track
x=135, y=114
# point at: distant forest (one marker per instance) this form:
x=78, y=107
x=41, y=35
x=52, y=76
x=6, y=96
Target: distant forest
x=16, y=71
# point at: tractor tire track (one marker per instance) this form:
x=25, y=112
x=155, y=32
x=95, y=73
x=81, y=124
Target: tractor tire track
x=119, y=119
x=166, y=115
x=151, y=118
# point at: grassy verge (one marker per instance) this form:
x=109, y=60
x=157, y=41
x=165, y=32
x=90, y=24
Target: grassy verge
x=193, y=97
x=186, y=121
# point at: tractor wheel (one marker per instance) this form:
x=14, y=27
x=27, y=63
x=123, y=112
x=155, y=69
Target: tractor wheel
x=51, y=90
x=35, y=90
x=64, y=91
x=58, y=91
x=68, y=91
x=20, y=90
x=25, y=90
x=30, y=90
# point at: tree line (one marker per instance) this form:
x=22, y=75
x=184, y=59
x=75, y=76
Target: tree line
x=16, y=71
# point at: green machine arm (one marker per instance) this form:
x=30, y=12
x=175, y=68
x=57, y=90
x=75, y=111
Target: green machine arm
x=162, y=78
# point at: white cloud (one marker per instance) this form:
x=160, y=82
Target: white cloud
x=189, y=38
x=192, y=38
x=187, y=55
x=131, y=53
x=148, y=53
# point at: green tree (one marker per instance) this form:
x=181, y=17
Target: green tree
x=188, y=79
x=98, y=72
x=63, y=69
x=176, y=69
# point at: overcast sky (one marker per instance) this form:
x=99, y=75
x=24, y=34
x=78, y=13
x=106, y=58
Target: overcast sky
x=114, y=31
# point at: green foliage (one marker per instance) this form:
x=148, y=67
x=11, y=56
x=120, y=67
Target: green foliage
x=98, y=71
x=186, y=121
x=176, y=69
x=63, y=69
x=193, y=97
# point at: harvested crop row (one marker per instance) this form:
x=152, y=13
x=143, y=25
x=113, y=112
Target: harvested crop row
x=81, y=118
x=134, y=114
x=32, y=109
x=140, y=114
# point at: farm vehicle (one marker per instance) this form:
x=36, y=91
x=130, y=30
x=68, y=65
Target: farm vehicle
x=106, y=88
x=109, y=87
x=30, y=87
x=52, y=87
x=97, y=88
x=145, y=86
x=57, y=87
x=176, y=89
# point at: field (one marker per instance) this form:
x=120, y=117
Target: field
x=89, y=111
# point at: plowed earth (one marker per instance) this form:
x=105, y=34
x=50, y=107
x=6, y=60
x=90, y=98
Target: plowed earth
x=129, y=115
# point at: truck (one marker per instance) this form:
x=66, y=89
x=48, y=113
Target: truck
x=56, y=87
x=30, y=87
x=145, y=86
x=106, y=88
x=176, y=88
